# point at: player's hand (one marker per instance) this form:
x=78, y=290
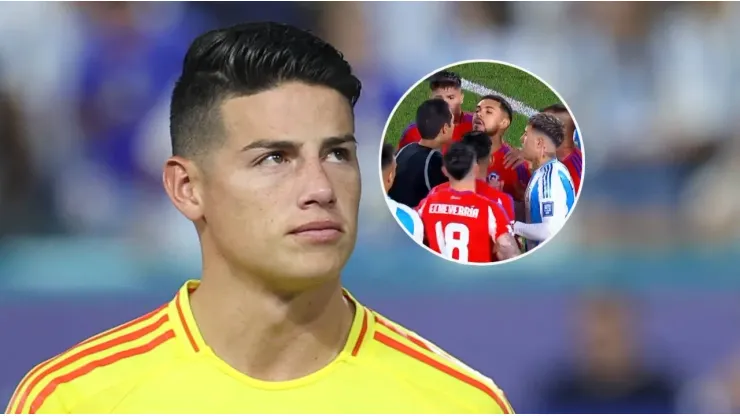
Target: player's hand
x=513, y=158
x=495, y=183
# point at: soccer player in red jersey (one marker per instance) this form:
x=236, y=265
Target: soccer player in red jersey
x=493, y=116
x=447, y=86
x=461, y=224
x=568, y=152
x=481, y=145
x=265, y=166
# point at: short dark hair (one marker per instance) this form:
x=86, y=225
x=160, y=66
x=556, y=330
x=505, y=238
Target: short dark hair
x=559, y=108
x=555, y=108
x=458, y=160
x=550, y=126
x=386, y=156
x=445, y=79
x=243, y=60
x=502, y=101
x=480, y=143
x=431, y=116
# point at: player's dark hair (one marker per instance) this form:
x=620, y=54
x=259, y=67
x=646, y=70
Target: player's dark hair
x=445, y=79
x=502, y=101
x=480, y=143
x=431, y=116
x=458, y=160
x=386, y=156
x=550, y=126
x=244, y=60
x=559, y=108
x=555, y=108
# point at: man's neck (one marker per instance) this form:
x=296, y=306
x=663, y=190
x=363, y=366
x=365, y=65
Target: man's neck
x=483, y=172
x=269, y=336
x=432, y=144
x=542, y=161
x=565, y=150
x=497, y=142
x=458, y=117
x=466, y=184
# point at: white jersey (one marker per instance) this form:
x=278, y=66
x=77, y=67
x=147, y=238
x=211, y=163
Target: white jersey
x=409, y=219
x=549, y=198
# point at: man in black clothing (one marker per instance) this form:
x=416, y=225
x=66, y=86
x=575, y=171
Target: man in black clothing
x=419, y=165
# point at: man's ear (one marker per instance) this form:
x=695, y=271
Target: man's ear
x=505, y=124
x=180, y=179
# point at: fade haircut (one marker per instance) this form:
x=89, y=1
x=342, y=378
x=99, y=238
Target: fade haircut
x=386, y=156
x=555, y=108
x=550, y=126
x=431, y=116
x=559, y=108
x=243, y=60
x=445, y=79
x=502, y=101
x=458, y=161
x=480, y=143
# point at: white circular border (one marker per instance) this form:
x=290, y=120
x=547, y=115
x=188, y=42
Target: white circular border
x=495, y=62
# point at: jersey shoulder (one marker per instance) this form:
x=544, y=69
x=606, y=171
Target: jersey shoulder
x=412, y=130
x=120, y=355
x=429, y=369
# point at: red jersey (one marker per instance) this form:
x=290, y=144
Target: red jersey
x=463, y=225
x=482, y=188
x=574, y=163
x=509, y=176
x=462, y=125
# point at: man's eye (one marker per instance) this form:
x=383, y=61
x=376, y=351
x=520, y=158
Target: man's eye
x=273, y=159
x=339, y=154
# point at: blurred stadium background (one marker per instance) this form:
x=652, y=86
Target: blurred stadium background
x=634, y=307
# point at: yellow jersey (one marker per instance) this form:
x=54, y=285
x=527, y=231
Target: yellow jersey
x=159, y=363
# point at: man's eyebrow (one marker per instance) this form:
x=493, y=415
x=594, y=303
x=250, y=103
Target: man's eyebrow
x=287, y=144
x=338, y=140
x=270, y=144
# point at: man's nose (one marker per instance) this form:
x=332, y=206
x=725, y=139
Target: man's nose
x=316, y=188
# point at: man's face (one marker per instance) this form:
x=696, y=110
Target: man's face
x=490, y=117
x=389, y=175
x=453, y=96
x=531, y=144
x=282, y=194
x=448, y=131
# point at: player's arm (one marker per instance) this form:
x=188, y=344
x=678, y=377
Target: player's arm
x=420, y=210
x=418, y=233
x=553, y=211
x=25, y=401
x=501, y=233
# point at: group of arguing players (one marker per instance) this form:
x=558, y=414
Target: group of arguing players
x=457, y=187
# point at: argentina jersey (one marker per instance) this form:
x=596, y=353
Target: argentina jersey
x=409, y=219
x=549, y=198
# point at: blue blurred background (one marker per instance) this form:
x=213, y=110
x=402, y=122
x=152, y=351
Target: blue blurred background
x=634, y=307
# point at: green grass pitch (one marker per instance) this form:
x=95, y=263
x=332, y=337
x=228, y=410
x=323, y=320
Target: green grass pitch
x=503, y=79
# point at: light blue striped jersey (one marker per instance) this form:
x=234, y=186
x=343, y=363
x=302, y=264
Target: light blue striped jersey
x=549, y=197
x=409, y=219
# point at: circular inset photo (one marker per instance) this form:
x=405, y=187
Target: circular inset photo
x=481, y=162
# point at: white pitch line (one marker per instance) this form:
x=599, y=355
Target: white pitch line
x=516, y=105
